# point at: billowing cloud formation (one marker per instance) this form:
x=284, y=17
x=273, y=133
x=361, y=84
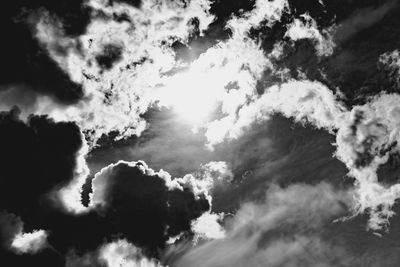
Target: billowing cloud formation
x=126, y=55
x=129, y=200
x=282, y=231
x=301, y=100
x=153, y=206
x=365, y=144
x=208, y=227
x=125, y=62
x=225, y=76
x=120, y=59
x=366, y=135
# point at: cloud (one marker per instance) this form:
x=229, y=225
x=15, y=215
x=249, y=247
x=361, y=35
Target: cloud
x=126, y=55
x=305, y=101
x=35, y=163
x=13, y=239
x=153, y=206
x=117, y=253
x=125, y=63
x=139, y=53
x=10, y=226
x=364, y=144
x=306, y=28
x=390, y=62
x=263, y=11
x=366, y=135
x=283, y=230
x=207, y=226
x=70, y=195
x=121, y=253
x=30, y=242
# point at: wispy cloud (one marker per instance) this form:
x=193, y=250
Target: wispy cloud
x=282, y=231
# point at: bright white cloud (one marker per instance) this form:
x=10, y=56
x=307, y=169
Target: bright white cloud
x=121, y=253
x=146, y=72
x=30, y=243
x=207, y=226
x=364, y=143
x=306, y=28
x=115, y=98
x=13, y=237
x=305, y=101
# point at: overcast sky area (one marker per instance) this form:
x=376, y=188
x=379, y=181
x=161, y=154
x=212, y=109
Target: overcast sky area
x=200, y=133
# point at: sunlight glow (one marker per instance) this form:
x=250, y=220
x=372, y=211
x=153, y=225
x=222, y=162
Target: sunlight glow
x=218, y=80
x=192, y=95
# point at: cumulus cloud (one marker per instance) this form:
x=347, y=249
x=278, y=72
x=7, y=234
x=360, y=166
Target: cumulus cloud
x=125, y=62
x=364, y=144
x=154, y=206
x=120, y=62
x=30, y=242
x=12, y=237
x=306, y=28
x=207, y=226
x=305, y=101
x=366, y=135
x=282, y=231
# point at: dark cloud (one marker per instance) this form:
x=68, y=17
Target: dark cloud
x=110, y=54
x=142, y=207
x=23, y=60
x=36, y=156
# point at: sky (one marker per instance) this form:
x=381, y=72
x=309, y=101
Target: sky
x=210, y=133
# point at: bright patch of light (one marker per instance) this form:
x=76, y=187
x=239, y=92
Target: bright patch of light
x=194, y=94
x=220, y=78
